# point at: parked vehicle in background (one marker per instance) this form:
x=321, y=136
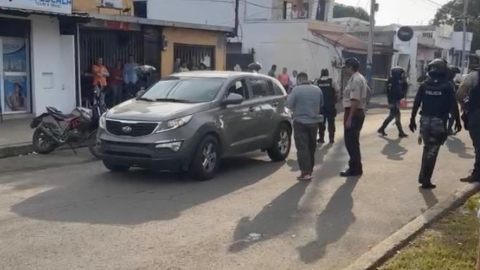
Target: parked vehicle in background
x=189, y=121
x=54, y=128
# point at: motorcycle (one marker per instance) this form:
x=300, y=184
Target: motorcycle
x=78, y=127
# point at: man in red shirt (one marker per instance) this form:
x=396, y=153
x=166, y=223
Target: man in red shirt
x=284, y=79
x=116, y=83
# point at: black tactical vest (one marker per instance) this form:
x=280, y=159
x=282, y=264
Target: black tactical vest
x=328, y=92
x=474, y=97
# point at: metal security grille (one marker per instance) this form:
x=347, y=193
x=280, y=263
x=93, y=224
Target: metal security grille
x=195, y=55
x=110, y=45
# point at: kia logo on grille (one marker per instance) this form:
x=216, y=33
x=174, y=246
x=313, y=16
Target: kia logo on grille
x=126, y=129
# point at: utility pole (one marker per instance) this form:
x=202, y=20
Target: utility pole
x=371, y=41
x=464, y=54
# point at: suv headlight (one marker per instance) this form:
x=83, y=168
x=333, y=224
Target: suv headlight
x=102, y=123
x=174, y=124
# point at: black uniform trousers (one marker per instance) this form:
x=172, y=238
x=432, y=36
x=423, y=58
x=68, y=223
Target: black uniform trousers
x=394, y=114
x=474, y=131
x=352, y=140
x=329, y=121
x=434, y=133
x=305, y=136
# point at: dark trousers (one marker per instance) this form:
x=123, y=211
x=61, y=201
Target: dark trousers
x=329, y=121
x=434, y=133
x=474, y=130
x=352, y=140
x=117, y=94
x=130, y=91
x=394, y=114
x=305, y=140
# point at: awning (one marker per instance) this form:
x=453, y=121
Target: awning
x=429, y=46
x=28, y=12
x=131, y=19
x=350, y=42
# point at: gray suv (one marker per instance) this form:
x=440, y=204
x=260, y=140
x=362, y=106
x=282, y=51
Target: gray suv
x=189, y=121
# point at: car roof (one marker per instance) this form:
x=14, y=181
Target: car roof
x=217, y=74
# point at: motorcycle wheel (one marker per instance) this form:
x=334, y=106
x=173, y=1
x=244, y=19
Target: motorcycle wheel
x=40, y=141
x=92, y=144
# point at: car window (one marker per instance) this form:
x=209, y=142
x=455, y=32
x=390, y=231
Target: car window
x=261, y=87
x=239, y=87
x=191, y=90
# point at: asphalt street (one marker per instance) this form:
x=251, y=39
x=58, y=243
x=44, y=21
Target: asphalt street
x=63, y=211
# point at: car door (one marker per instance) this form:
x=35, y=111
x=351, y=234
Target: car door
x=239, y=120
x=263, y=94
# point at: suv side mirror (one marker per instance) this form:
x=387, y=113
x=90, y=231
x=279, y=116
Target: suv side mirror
x=232, y=99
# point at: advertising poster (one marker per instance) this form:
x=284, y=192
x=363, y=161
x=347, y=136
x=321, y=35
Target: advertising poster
x=14, y=54
x=15, y=93
x=59, y=6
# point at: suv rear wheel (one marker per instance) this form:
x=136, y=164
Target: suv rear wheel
x=206, y=160
x=281, y=144
x=115, y=168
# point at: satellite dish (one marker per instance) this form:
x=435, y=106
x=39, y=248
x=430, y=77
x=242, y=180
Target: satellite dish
x=405, y=33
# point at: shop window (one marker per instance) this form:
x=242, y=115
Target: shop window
x=196, y=57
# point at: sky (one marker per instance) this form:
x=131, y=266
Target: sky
x=410, y=12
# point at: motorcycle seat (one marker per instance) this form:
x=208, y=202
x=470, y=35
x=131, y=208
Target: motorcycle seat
x=56, y=113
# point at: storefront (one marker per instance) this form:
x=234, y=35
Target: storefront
x=37, y=57
x=197, y=48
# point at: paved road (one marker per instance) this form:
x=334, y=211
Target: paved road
x=67, y=212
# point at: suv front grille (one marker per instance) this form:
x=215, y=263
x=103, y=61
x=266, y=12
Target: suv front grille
x=130, y=129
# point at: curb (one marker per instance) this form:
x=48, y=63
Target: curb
x=14, y=150
x=388, y=247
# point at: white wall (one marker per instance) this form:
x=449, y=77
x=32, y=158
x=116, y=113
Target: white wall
x=221, y=13
x=53, y=66
x=457, y=41
x=299, y=50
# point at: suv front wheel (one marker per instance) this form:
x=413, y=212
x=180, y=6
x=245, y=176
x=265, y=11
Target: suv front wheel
x=206, y=160
x=281, y=144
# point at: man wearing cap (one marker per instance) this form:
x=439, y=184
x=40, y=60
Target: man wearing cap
x=354, y=99
x=305, y=101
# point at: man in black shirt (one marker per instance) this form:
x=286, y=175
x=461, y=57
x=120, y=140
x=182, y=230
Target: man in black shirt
x=396, y=91
x=437, y=98
x=329, y=110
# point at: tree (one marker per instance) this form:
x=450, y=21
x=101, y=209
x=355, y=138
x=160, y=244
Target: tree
x=451, y=13
x=341, y=11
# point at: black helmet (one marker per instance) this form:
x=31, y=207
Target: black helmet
x=352, y=62
x=438, y=68
x=397, y=71
x=453, y=71
x=255, y=66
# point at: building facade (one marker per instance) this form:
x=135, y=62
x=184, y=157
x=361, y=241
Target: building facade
x=37, y=57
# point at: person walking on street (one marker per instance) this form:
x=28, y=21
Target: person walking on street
x=329, y=110
x=468, y=95
x=305, y=102
x=284, y=79
x=272, y=71
x=354, y=99
x=396, y=90
x=437, y=98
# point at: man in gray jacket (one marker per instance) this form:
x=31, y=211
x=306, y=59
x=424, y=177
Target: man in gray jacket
x=305, y=101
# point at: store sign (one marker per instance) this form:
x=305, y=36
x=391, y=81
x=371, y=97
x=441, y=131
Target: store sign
x=405, y=33
x=116, y=4
x=57, y=6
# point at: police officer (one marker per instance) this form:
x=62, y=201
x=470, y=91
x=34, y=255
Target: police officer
x=453, y=71
x=437, y=98
x=396, y=90
x=329, y=110
x=354, y=101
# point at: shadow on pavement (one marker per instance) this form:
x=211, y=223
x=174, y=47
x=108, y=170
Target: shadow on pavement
x=429, y=198
x=319, y=157
x=280, y=215
x=135, y=197
x=393, y=150
x=332, y=223
x=457, y=146
x=275, y=219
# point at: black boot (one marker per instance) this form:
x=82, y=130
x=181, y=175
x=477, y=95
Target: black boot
x=402, y=134
x=381, y=131
x=332, y=139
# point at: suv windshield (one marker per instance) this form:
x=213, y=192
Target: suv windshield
x=188, y=90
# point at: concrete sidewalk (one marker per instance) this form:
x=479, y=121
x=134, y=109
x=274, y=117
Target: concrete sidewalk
x=15, y=137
